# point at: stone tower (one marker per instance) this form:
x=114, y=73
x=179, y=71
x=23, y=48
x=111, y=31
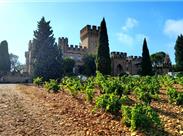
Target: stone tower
x=89, y=38
x=29, y=58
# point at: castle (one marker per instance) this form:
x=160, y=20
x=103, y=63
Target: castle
x=120, y=62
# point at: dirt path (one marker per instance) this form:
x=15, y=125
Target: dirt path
x=30, y=111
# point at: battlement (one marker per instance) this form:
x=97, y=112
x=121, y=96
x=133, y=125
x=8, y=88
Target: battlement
x=63, y=43
x=118, y=54
x=89, y=28
x=63, y=40
x=75, y=48
x=134, y=58
x=123, y=55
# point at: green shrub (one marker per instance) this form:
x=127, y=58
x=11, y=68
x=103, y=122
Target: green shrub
x=38, y=81
x=124, y=99
x=174, y=96
x=89, y=93
x=126, y=115
x=179, y=100
x=73, y=84
x=52, y=85
x=109, y=102
x=100, y=80
x=140, y=117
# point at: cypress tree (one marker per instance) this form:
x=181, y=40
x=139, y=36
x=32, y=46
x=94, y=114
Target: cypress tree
x=5, y=64
x=146, y=61
x=48, y=57
x=179, y=53
x=103, y=61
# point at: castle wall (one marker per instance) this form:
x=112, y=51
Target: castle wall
x=121, y=63
x=74, y=52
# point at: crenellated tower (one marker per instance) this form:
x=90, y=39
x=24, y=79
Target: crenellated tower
x=89, y=38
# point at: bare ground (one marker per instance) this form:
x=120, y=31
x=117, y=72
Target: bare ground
x=31, y=111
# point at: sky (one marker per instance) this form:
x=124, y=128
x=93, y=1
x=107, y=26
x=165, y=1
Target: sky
x=128, y=23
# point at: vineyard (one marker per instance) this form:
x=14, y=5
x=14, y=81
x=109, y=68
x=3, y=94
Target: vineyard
x=133, y=99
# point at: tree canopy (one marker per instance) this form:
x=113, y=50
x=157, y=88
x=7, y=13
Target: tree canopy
x=89, y=66
x=4, y=57
x=179, y=53
x=16, y=66
x=103, y=61
x=48, y=57
x=146, y=61
x=158, y=58
x=68, y=66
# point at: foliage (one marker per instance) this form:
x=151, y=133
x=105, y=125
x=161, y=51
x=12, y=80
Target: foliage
x=109, y=102
x=140, y=116
x=15, y=64
x=100, y=80
x=89, y=89
x=5, y=64
x=52, y=85
x=179, y=53
x=103, y=61
x=146, y=61
x=89, y=93
x=47, y=56
x=166, y=81
x=158, y=58
x=114, y=86
x=68, y=66
x=147, y=89
x=89, y=66
x=175, y=96
x=38, y=81
x=73, y=84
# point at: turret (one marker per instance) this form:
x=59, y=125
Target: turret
x=89, y=38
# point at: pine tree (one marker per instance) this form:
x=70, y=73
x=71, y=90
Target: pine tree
x=103, y=61
x=48, y=57
x=179, y=53
x=5, y=64
x=146, y=61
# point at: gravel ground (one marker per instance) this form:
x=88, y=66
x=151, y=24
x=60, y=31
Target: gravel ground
x=31, y=111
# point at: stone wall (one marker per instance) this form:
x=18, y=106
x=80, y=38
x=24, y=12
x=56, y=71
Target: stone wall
x=15, y=78
x=121, y=63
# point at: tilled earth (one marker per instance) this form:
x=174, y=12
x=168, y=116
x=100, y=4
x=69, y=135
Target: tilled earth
x=26, y=110
x=31, y=111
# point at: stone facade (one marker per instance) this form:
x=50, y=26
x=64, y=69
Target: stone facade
x=120, y=62
x=29, y=58
x=88, y=45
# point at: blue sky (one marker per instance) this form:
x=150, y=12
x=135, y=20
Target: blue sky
x=127, y=23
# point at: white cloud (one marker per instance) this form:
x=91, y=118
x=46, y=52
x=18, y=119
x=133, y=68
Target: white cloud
x=140, y=37
x=130, y=24
x=127, y=38
x=173, y=28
